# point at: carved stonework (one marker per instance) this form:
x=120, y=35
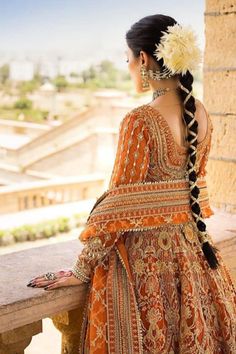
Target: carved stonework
x=16, y=340
x=69, y=324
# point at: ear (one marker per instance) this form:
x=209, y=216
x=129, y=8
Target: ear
x=143, y=58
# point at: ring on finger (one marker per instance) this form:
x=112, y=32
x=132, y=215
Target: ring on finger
x=50, y=276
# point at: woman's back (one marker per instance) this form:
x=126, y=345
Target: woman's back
x=173, y=114
x=168, y=147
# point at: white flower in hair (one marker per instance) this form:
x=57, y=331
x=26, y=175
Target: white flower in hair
x=178, y=49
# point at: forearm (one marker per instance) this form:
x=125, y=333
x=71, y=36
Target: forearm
x=82, y=269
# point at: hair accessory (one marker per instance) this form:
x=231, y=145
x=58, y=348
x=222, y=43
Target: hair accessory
x=178, y=49
x=159, y=75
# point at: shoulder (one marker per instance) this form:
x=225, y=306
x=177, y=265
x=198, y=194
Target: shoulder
x=203, y=117
x=200, y=107
x=134, y=117
x=201, y=111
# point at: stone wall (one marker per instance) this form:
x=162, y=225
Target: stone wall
x=220, y=101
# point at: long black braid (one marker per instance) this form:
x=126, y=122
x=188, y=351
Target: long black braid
x=142, y=36
x=189, y=111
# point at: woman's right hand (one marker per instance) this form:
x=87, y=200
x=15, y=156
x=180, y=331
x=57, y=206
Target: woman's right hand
x=63, y=278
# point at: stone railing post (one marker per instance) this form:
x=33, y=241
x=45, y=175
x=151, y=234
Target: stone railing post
x=69, y=324
x=16, y=340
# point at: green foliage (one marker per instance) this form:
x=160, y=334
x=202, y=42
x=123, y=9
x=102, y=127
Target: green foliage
x=73, y=74
x=60, y=83
x=105, y=75
x=30, y=115
x=20, y=233
x=50, y=229
x=102, y=75
x=63, y=224
x=23, y=103
x=29, y=86
x=4, y=73
x=41, y=230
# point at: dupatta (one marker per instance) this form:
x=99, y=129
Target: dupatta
x=142, y=206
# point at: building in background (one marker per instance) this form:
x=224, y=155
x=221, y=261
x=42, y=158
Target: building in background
x=48, y=69
x=21, y=70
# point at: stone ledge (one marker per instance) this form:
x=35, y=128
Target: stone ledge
x=21, y=305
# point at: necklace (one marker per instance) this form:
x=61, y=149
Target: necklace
x=161, y=92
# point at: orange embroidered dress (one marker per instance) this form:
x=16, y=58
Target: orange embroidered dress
x=151, y=290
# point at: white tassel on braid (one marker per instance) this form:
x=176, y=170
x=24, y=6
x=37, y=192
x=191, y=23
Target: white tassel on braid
x=203, y=235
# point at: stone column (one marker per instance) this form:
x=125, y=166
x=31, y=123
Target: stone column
x=69, y=324
x=219, y=99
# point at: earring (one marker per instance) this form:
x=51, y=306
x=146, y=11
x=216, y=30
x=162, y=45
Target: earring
x=144, y=77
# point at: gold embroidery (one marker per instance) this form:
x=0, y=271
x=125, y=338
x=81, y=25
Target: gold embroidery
x=180, y=283
x=164, y=240
x=139, y=266
x=189, y=233
x=167, y=158
x=165, y=270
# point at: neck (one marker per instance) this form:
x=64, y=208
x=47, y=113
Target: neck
x=165, y=90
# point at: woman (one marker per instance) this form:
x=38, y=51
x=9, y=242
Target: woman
x=157, y=282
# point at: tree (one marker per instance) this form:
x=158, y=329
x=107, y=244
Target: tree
x=60, y=83
x=105, y=75
x=4, y=73
x=29, y=86
x=23, y=103
x=89, y=74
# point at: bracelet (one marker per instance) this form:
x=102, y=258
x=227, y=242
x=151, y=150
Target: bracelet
x=80, y=275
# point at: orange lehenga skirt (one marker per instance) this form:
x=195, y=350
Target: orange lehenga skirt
x=154, y=293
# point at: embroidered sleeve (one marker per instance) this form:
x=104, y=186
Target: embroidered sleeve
x=94, y=251
x=132, y=155
x=130, y=166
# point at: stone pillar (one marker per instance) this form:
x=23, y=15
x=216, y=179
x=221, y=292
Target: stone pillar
x=69, y=324
x=16, y=340
x=219, y=99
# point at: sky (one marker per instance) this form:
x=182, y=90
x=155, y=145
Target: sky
x=86, y=30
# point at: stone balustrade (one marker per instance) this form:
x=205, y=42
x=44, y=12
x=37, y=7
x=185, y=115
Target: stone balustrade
x=22, y=308
x=43, y=193
x=78, y=128
x=30, y=129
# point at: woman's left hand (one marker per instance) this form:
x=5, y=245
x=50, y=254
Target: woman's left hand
x=63, y=278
